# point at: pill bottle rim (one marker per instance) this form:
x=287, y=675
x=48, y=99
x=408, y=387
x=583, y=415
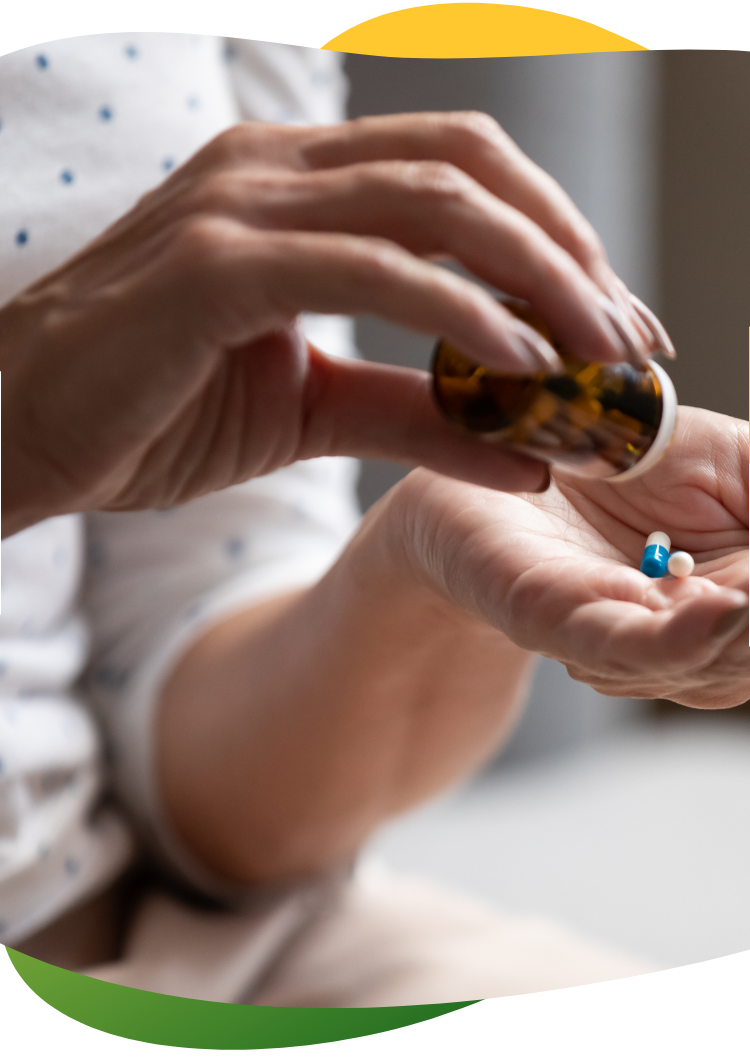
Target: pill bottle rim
x=663, y=434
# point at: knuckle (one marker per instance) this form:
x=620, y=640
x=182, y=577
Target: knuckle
x=231, y=144
x=374, y=261
x=201, y=239
x=255, y=143
x=438, y=180
x=217, y=192
x=475, y=128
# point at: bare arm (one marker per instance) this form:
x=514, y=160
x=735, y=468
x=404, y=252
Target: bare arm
x=290, y=732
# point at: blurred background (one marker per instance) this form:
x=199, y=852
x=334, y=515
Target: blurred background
x=626, y=819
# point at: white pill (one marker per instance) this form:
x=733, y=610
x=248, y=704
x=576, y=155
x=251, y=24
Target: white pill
x=661, y=539
x=680, y=563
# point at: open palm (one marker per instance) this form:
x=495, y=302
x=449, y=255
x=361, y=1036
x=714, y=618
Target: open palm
x=558, y=573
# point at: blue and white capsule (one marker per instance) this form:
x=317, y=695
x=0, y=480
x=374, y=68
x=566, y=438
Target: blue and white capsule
x=656, y=555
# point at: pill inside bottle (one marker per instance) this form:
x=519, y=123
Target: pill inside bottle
x=597, y=420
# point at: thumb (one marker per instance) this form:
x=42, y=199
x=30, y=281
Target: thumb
x=369, y=410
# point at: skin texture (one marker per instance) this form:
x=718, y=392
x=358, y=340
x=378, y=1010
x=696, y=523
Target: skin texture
x=403, y=668
x=559, y=573
x=163, y=361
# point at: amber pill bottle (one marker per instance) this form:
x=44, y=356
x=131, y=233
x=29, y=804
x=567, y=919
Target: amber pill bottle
x=596, y=420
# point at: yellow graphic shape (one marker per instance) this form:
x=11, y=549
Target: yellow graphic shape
x=475, y=31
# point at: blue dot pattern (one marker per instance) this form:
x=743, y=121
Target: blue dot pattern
x=235, y=547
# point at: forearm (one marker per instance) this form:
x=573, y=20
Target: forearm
x=291, y=731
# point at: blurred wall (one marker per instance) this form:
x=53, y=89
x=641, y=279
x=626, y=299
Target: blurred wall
x=591, y=121
x=704, y=224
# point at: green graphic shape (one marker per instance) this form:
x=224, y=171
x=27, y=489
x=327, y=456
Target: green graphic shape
x=191, y=1024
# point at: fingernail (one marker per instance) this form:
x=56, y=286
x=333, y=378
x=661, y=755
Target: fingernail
x=620, y=296
x=635, y=352
x=661, y=337
x=730, y=623
x=534, y=349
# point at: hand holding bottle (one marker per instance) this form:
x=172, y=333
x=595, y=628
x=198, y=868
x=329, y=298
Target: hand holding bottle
x=163, y=361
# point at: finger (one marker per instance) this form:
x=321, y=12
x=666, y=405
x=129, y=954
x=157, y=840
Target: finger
x=608, y=618
x=209, y=285
x=620, y=640
x=433, y=209
x=660, y=337
x=256, y=282
x=374, y=411
x=471, y=141
x=477, y=144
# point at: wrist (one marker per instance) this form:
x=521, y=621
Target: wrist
x=386, y=554
x=413, y=544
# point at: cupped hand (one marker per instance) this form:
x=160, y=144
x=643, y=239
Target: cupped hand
x=559, y=573
x=164, y=362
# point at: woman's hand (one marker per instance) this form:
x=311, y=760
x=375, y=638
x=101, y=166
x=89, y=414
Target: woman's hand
x=163, y=361
x=335, y=707
x=559, y=573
